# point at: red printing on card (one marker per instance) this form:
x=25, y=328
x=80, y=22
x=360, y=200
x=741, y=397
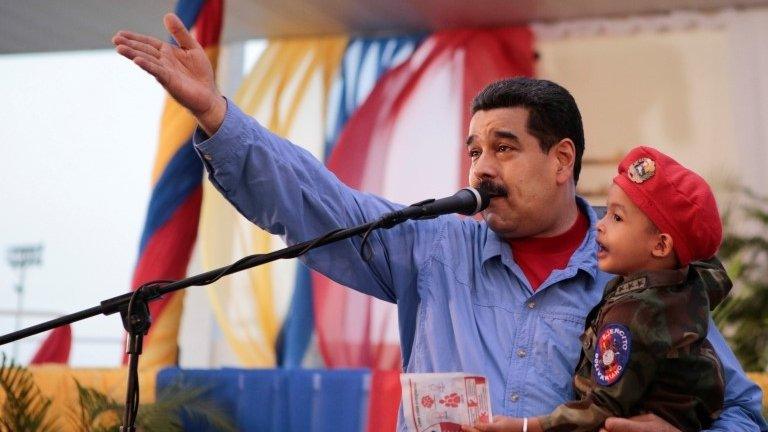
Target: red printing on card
x=413, y=409
x=441, y=402
x=427, y=401
x=451, y=401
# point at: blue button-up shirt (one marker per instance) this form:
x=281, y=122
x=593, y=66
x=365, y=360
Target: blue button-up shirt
x=463, y=303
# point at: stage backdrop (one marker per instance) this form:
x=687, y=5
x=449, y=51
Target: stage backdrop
x=378, y=109
x=375, y=109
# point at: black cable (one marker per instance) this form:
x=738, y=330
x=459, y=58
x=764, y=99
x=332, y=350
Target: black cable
x=137, y=394
x=132, y=404
x=369, y=255
x=226, y=270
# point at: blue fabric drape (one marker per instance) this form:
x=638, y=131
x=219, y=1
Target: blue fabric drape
x=278, y=399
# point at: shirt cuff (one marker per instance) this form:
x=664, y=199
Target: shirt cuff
x=218, y=150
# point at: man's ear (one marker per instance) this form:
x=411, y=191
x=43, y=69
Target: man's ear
x=664, y=246
x=564, y=153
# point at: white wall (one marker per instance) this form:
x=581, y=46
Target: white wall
x=666, y=82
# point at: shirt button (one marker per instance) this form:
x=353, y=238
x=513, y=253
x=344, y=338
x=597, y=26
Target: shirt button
x=521, y=353
x=207, y=157
x=531, y=304
x=515, y=397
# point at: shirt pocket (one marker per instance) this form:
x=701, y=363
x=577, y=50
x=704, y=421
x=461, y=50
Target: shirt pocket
x=557, y=349
x=495, y=289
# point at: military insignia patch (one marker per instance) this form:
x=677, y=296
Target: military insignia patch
x=614, y=343
x=641, y=170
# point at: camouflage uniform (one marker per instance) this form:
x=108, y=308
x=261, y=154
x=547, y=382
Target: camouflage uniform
x=649, y=334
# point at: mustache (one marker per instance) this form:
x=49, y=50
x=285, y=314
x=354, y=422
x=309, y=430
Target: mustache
x=492, y=189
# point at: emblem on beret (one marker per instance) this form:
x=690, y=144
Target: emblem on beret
x=641, y=170
x=612, y=349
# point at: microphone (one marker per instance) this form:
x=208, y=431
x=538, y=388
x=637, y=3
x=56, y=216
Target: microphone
x=467, y=201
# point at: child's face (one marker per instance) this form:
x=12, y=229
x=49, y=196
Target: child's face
x=625, y=236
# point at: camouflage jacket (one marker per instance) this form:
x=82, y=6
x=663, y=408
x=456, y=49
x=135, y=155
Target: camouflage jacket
x=644, y=350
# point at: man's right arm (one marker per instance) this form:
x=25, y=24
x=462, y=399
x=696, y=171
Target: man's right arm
x=283, y=189
x=275, y=184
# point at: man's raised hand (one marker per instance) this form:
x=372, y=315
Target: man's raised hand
x=183, y=70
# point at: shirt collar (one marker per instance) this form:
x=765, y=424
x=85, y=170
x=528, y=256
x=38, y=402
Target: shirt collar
x=584, y=258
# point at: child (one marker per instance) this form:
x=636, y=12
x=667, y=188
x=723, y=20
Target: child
x=644, y=348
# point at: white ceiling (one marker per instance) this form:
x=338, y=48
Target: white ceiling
x=56, y=25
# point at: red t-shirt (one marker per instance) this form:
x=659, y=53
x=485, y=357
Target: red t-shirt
x=538, y=257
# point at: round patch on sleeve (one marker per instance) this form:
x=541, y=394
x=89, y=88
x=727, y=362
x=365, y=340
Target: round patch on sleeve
x=614, y=343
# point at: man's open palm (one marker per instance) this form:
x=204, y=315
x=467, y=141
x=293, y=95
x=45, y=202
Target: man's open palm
x=184, y=70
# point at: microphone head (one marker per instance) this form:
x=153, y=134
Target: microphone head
x=482, y=199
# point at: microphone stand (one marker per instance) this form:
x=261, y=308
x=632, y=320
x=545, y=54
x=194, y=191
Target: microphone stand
x=134, y=310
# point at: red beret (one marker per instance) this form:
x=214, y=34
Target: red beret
x=677, y=200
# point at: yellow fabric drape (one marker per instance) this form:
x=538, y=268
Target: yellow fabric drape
x=274, y=92
x=57, y=382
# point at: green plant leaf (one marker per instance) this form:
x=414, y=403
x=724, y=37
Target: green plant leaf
x=97, y=412
x=741, y=317
x=181, y=397
x=100, y=413
x=25, y=408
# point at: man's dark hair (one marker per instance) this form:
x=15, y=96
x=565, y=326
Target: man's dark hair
x=552, y=111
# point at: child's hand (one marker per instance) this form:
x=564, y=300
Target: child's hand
x=500, y=424
x=641, y=423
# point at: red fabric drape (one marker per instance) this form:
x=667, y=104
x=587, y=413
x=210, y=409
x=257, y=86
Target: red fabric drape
x=384, y=401
x=168, y=251
x=55, y=348
x=477, y=56
x=208, y=26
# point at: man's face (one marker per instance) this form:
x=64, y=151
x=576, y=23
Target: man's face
x=504, y=154
x=625, y=236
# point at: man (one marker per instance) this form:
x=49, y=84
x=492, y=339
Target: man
x=466, y=302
